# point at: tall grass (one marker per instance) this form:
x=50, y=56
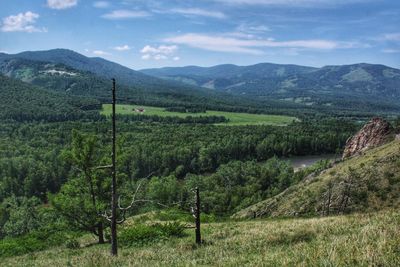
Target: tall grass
x=353, y=240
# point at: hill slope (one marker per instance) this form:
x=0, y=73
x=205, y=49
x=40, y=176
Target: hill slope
x=367, y=182
x=23, y=102
x=353, y=240
x=341, y=86
x=98, y=66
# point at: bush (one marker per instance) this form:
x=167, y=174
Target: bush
x=142, y=234
x=175, y=229
x=20, y=245
x=34, y=241
x=183, y=216
x=72, y=243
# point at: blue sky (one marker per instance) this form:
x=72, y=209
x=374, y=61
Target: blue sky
x=155, y=33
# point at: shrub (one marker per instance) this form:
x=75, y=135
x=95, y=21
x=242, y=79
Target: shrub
x=175, y=229
x=34, y=241
x=72, y=243
x=142, y=234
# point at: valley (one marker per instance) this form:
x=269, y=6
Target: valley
x=200, y=133
x=270, y=191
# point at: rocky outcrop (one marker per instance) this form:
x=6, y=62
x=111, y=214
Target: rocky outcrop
x=375, y=133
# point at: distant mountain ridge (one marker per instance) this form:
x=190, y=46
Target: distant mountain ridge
x=96, y=65
x=90, y=77
x=231, y=70
x=265, y=87
x=326, y=86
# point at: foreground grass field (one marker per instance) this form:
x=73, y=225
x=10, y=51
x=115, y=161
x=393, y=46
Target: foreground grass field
x=353, y=240
x=234, y=118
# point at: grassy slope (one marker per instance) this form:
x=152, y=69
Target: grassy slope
x=375, y=184
x=234, y=118
x=353, y=240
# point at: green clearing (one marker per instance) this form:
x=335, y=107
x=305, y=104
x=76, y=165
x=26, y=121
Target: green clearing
x=234, y=118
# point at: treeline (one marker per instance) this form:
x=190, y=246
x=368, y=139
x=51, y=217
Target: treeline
x=186, y=109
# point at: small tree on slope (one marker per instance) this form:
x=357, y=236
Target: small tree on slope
x=84, y=197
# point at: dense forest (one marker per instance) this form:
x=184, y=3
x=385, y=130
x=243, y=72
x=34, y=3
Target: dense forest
x=168, y=160
x=23, y=102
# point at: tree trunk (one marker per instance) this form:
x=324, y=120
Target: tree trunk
x=101, y=233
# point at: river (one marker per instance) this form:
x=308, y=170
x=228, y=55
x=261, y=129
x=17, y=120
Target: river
x=299, y=162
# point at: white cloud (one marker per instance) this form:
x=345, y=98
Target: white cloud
x=391, y=37
x=391, y=51
x=22, y=22
x=146, y=56
x=101, y=4
x=176, y=59
x=122, y=48
x=61, y=4
x=296, y=3
x=159, y=57
x=249, y=31
x=251, y=46
x=162, y=49
x=158, y=53
x=198, y=12
x=252, y=28
x=125, y=14
x=101, y=53
x=215, y=43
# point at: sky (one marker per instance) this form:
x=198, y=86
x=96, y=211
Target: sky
x=156, y=33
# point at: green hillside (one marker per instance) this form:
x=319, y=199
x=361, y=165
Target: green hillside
x=24, y=102
x=353, y=240
x=364, y=183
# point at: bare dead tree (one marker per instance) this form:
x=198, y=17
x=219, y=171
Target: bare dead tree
x=195, y=209
x=122, y=210
x=328, y=196
x=347, y=188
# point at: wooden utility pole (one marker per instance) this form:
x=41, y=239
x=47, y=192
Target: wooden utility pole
x=114, y=247
x=197, y=217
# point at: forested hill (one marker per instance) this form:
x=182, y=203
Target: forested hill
x=20, y=101
x=341, y=86
x=72, y=73
x=229, y=71
x=98, y=66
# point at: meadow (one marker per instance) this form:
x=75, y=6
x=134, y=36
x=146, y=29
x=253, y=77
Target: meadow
x=347, y=240
x=234, y=118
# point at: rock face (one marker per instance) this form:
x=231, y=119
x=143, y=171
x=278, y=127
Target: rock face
x=375, y=133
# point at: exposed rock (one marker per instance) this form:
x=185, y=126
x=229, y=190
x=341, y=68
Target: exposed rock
x=375, y=133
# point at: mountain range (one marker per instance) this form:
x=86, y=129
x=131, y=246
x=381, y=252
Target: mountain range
x=262, y=88
x=368, y=84
x=72, y=73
